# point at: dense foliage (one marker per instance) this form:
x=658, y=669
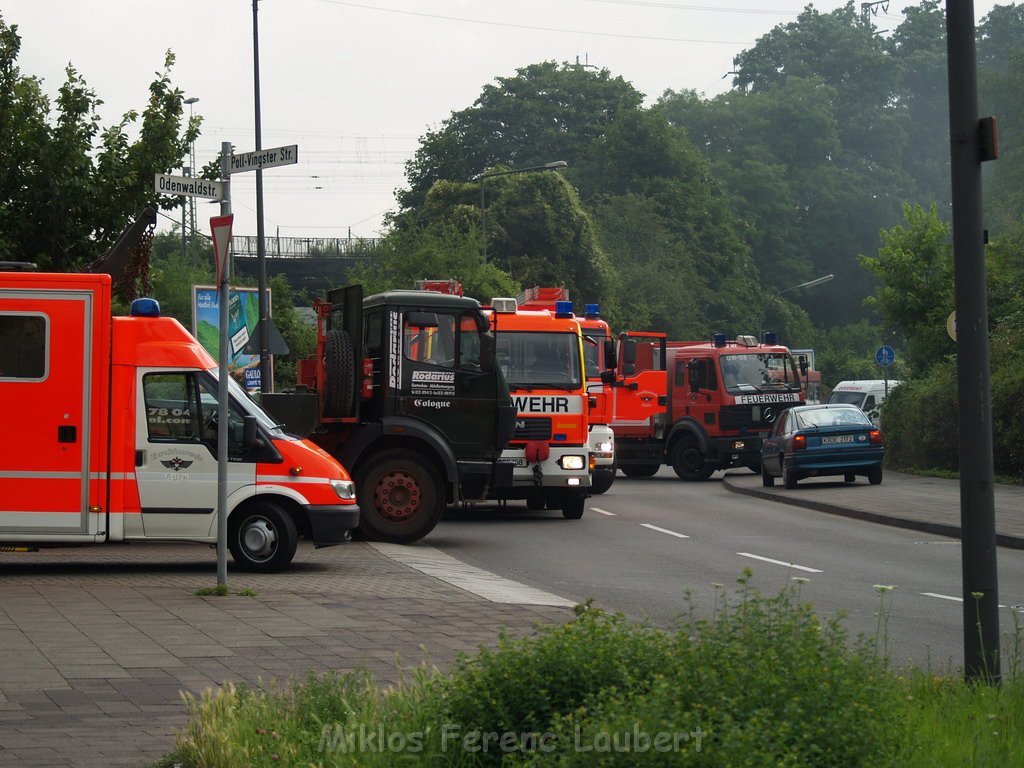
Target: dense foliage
x=76, y=185
x=763, y=681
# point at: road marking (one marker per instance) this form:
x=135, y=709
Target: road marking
x=664, y=530
x=956, y=599
x=490, y=586
x=598, y=509
x=780, y=562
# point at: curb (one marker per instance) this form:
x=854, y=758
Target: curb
x=942, y=529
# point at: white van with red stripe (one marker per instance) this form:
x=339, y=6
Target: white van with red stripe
x=111, y=435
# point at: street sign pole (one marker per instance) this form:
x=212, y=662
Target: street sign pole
x=222, y=383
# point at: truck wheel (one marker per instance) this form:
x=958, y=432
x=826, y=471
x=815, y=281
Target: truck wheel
x=640, y=470
x=401, y=498
x=688, y=461
x=767, y=480
x=602, y=481
x=573, y=505
x=339, y=389
x=262, y=538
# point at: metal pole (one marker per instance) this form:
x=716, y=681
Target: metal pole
x=977, y=496
x=184, y=212
x=261, y=255
x=222, y=384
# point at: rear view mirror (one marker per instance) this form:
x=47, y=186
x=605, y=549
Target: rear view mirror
x=693, y=375
x=610, y=358
x=487, y=352
x=628, y=351
x=249, y=433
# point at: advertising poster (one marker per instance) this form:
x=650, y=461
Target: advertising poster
x=243, y=318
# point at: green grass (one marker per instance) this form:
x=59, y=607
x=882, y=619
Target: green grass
x=763, y=681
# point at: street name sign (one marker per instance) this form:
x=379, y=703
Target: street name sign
x=264, y=158
x=165, y=184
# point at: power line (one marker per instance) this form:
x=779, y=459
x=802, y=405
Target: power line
x=534, y=28
x=674, y=7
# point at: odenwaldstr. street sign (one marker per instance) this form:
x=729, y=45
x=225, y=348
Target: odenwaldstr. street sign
x=165, y=184
x=264, y=158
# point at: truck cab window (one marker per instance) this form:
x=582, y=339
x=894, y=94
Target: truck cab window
x=429, y=337
x=23, y=346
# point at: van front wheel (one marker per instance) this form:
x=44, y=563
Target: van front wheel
x=262, y=538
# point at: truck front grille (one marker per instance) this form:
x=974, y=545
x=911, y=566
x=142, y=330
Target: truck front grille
x=760, y=416
x=532, y=428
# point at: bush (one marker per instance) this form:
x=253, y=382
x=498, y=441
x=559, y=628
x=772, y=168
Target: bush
x=919, y=419
x=762, y=684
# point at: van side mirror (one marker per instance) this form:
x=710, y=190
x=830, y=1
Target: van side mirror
x=249, y=433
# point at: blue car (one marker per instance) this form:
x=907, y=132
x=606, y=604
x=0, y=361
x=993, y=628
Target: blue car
x=819, y=440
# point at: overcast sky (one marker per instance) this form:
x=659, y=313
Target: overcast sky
x=355, y=84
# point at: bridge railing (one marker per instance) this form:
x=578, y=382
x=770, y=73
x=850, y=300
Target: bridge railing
x=303, y=247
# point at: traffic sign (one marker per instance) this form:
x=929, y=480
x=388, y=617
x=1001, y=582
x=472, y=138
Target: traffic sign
x=165, y=184
x=885, y=356
x=221, y=228
x=951, y=325
x=264, y=158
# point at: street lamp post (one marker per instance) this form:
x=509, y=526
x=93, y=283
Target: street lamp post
x=189, y=201
x=553, y=166
x=808, y=284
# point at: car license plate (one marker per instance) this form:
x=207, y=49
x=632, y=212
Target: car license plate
x=835, y=439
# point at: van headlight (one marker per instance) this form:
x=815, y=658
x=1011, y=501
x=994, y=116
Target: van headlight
x=572, y=462
x=344, y=489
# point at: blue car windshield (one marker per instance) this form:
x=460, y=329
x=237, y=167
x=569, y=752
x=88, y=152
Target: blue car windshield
x=832, y=417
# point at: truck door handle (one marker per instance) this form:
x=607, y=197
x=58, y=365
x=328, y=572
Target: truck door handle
x=67, y=434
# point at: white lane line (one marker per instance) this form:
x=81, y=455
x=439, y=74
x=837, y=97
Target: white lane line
x=490, y=586
x=780, y=562
x=950, y=597
x=664, y=530
x=603, y=512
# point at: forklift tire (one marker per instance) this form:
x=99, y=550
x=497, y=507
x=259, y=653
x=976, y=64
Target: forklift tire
x=688, y=461
x=573, y=505
x=602, y=481
x=339, y=389
x=262, y=538
x=401, y=497
x=640, y=470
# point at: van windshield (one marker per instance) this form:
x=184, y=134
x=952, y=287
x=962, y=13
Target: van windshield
x=850, y=398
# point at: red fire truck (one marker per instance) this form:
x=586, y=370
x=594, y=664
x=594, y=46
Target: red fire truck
x=599, y=367
x=112, y=434
x=711, y=408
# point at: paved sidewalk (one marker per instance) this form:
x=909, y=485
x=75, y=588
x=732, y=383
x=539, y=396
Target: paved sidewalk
x=928, y=504
x=97, y=644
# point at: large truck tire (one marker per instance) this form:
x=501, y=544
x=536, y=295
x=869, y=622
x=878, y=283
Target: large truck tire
x=339, y=389
x=640, y=470
x=401, y=497
x=573, y=504
x=602, y=480
x=688, y=461
x=262, y=538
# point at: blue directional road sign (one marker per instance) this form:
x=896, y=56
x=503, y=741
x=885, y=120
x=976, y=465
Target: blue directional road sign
x=885, y=356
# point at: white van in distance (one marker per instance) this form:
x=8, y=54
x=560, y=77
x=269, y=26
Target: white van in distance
x=866, y=394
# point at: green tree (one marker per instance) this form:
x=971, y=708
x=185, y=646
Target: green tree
x=76, y=185
x=546, y=112
x=915, y=267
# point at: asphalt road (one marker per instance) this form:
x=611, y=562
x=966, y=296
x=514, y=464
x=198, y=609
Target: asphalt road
x=646, y=544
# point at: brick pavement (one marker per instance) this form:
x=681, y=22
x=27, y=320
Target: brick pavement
x=98, y=644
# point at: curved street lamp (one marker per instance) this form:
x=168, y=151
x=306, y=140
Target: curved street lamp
x=552, y=166
x=808, y=284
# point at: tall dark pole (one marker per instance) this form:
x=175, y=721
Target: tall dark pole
x=977, y=498
x=261, y=260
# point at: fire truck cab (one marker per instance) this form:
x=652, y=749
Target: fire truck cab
x=112, y=435
x=541, y=355
x=722, y=397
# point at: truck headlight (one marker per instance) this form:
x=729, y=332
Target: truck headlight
x=606, y=446
x=344, y=489
x=572, y=462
